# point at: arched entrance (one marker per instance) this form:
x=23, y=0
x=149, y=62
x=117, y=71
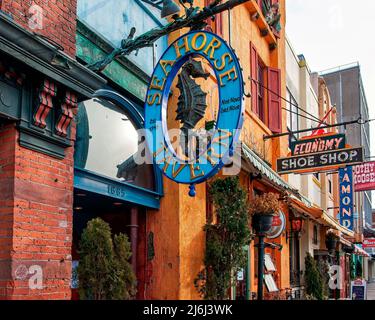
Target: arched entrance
x=110, y=182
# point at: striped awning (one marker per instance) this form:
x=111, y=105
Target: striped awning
x=298, y=201
x=360, y=252
x=259, y=164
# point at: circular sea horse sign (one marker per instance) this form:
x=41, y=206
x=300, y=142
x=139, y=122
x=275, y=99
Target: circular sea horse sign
x=187, y=54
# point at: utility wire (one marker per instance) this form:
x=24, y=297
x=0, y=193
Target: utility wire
x=302, y=116
x=359, y=121
x=286, y=100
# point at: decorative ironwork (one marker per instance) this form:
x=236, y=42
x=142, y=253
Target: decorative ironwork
x=272, y=14
x=194, y=19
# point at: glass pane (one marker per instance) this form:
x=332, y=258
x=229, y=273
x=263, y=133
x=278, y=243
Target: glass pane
x=113, y=19
x=106, y=143
x=268, y=263
x=270, y=283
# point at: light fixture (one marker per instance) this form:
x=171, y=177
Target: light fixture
x=78, y=208
x=297, y=225
x=81, y=194
x=169, y=8
x=117, y=204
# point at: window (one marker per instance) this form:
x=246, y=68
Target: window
x=292, y=116
x=295, y=267
x=330, y=188
x=315, y=235
x=261, y=99
x=265, y=92
x=107, y=140
x=114, y=19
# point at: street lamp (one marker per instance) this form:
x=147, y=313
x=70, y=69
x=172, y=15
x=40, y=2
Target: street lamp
x=169, y=8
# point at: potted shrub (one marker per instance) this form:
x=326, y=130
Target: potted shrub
x=331, y=241
x=262, y=209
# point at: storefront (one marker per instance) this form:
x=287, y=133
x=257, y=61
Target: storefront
x=108, y=182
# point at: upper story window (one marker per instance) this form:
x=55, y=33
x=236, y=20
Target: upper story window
x=292, y=113
x=114, y=19
x=261, y=109
x=315, y=235
x=265, y=92
x=330, y=184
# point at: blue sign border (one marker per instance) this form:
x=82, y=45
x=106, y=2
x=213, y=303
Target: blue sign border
x=157, y=136
x=346, y=219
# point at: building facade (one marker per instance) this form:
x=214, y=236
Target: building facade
x=41, y=84
x=69, y=138
x=348, y=95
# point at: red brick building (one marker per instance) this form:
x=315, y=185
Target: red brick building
x=40, y=83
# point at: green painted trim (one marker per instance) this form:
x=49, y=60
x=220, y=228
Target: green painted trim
x=248, y=274
x=33, y=140
x=28, y=48
x=92, y=47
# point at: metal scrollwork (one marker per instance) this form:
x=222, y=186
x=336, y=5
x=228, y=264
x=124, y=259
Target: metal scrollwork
x=194, y=19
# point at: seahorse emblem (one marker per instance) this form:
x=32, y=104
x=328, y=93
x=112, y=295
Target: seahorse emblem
x=192, y=102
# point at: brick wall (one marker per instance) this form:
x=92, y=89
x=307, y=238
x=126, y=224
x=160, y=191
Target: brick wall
x=55, y=19
x=36, y=190
x=35, y=221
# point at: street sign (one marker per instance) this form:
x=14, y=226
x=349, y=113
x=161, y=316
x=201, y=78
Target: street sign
x=182, y=55
x=322, y=143
x=358, y=290
x=322, y=161
x=278, y=226
x=369, y=243
x=364, y=176
x=346, y=197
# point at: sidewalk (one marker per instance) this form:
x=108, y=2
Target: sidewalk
x=371, y=291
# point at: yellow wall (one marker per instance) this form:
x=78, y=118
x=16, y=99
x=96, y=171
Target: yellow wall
x=178, y=225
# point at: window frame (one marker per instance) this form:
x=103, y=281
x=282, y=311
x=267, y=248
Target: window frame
x=290, y=115
x=261, y=92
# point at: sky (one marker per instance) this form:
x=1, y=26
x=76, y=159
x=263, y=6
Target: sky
x=331, y=33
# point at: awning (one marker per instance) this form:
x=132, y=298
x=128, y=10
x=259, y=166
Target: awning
x=360, y=252
x=306, y=206
x=297, y=200
x=345, y=242
x=259, y=164
x=336, y=225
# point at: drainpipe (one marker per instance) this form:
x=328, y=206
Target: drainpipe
x=134, y=236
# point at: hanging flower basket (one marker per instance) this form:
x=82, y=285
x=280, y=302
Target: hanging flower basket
x=331, y=242
x=262, y=209
x=262, y=223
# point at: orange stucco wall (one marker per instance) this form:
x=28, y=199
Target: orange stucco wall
x=179, y=239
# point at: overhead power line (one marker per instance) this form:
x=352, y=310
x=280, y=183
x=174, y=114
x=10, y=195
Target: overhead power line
x=290, y=102
x=359, y=121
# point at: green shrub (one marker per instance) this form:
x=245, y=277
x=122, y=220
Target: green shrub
x=313, y=279
x=104, y=272
x=225, y=241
